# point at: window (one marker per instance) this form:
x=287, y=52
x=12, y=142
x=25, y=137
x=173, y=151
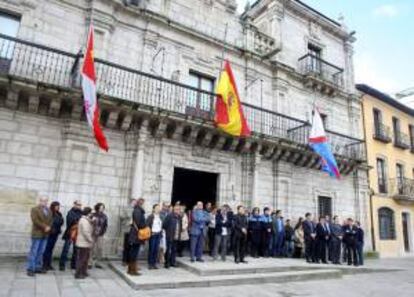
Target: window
x=382, y=182
x=325, y=206
x=200, y=103
x=400, y=178
x=315, y=60
x=9, y=25
x=386, y=223
x=396, y=128
x=377, y=121
x=324, y=118
x=411, y=129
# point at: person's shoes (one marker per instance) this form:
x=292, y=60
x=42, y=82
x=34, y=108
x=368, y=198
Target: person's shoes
x=200, y=260
x=244, y=262
x=150, y=267
x=324, y=262
x=99, y=266
x=192, y=260
x=166, y=266
x=174, y=266
x=236, y=261
x=51, y=268
x=41, y=271
x=62, y=268
x=80, y=276
x=89, y=266
x=30, y=273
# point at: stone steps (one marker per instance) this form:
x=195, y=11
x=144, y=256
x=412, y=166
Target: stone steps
x=180, y=278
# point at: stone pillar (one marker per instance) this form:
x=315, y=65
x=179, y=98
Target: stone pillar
x=137, y=188
x=255, y=179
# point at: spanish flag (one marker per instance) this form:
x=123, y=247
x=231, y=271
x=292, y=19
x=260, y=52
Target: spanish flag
x=229, y=115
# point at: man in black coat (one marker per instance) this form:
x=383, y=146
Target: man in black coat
x=172, y=227
x=240, y=235
x=335, y=243
x=138, y=222
x=322, y=238
x=359, y=237
x=350, y=232
x=72, y=218
x=309, y=231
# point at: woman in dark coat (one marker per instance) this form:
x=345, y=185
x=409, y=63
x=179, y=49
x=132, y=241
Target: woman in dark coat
x=255, y=232
x=138, y=222
x=53, y=235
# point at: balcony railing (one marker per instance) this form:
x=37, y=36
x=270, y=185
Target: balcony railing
x=311, y=65
x=401, y=140
x=40, y=64
x=382, y=133
x=402, y=189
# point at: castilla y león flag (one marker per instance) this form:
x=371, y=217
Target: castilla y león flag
x=229, y=115
x=89, y=93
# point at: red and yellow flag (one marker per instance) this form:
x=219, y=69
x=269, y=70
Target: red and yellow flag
x=229, y=115
x=89, y=93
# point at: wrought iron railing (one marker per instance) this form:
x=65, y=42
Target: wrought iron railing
x=401, y=140
x=382, y=133
x=37, y=63
x=317, y=67
x=402, y=188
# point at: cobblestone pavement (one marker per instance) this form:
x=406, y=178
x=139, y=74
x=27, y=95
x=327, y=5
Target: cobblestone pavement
x=14, y=282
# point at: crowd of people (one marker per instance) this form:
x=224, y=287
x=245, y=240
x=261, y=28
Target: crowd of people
x=85, y=230
x=172, y=231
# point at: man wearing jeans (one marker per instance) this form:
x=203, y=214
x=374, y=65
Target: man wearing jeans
x=41, y=223
x=199, y=221
x=72, y=218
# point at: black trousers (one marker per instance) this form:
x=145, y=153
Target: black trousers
x=265, y=244
x=321, y=245
x=310, y=249
x=239, y=247
x=125, y=251
x=170, y=252
x=133, y=251
x=351, y=253
x=335, y=250
x=211, y=233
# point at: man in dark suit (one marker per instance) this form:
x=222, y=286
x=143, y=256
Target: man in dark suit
x=240, y=235
x=359, y=238
x=309, y=236
x=350, y=232
x=172, y=227
x=336, y=241
x=322, y=238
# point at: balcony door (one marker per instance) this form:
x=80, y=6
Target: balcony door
x=200, y=104
x=377, y=121
x=396, y=129
x=9, y=26
x=400, y=178
x=315, y=60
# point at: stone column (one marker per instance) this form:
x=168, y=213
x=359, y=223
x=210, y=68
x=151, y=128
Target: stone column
x=137, y=188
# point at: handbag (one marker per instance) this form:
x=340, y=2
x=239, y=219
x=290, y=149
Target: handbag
x=73, y=232
x=143, y=233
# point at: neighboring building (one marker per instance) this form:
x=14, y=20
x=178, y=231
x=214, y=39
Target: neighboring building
x=389, y=133
x=158, y=62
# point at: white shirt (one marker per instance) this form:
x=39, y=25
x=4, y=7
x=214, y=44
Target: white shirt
x=156, y=224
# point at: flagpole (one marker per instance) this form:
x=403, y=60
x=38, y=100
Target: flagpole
x=224, y=48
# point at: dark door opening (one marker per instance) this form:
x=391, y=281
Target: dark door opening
x=190, y=186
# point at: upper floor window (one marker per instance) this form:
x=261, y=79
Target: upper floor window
x=200, y=103
x=9, y=24
x=377, y=119
x=411, y=128
x=400, y=178
x=396, y=127
x=382, y=180
x=324, y=118
x=315, y=60
x=386, y=223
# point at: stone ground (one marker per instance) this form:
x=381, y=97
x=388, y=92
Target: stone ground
x=14, y=282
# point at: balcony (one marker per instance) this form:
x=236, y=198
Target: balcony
x=401, y=140
x=127, y=96
x=382, y=133
x=320, y=74
x=402, y=190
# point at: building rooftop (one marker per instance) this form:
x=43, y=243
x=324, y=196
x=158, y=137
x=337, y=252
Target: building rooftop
x=384, y=98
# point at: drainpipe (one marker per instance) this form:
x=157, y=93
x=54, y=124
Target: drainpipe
x=371, y=192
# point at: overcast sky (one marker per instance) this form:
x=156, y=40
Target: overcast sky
x=384, y=51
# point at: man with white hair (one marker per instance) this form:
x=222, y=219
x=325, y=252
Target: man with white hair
x=41, y=218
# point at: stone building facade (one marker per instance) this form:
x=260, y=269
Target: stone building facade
x=157, y=63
